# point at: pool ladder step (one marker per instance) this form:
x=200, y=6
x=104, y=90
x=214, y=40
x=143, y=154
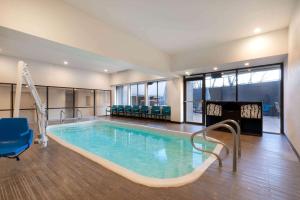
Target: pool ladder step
x=236, y=134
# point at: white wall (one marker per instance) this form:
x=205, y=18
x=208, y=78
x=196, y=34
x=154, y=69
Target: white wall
x=175, y=98
x=53, y=75
x=292, y=82
x=264, y=45
x=132, y=76
x=60, y=22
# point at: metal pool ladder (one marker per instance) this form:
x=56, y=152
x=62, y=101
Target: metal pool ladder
x=235, y=136
x=62, y=113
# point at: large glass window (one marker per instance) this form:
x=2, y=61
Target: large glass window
x=162, y=92
x=121, y=95
x=133, y=94
x=221, y=86
x=137, y=94
x=157, y=93
x=141, y=94
x=152, y=93
x=263, y=84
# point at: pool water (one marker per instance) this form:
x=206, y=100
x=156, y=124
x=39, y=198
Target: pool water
x=147, y=152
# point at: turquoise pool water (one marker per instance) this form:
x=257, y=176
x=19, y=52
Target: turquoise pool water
x=150, y=153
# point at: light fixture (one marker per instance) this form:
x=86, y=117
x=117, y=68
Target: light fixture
x=105, y=70
x=257, y=30
x=66, y=62
x=215, y=68
x=187, y=73
x=246, y=64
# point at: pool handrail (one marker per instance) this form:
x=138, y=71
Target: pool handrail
x=77, y=114
x=238, y=132
x=61, y=120
x=235, y=134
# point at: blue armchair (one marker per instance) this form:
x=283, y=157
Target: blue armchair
x=15, y=137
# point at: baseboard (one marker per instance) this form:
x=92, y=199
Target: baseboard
x=294, y=149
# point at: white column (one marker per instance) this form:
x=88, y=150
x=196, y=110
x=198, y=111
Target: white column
x=146, y=94
x=18, y=88
x=128, y=95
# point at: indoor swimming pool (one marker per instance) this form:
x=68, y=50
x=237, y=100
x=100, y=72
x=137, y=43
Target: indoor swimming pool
x=149, y=156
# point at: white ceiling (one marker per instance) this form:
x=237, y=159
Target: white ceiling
x=176, y=25
x=23, y=46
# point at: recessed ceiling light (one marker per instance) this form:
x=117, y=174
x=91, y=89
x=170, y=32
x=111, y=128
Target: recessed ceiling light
x=257, y=30
x=215, y=68
x=187, y=73
x=105, y=70
x=246, y=64
x=66, y=62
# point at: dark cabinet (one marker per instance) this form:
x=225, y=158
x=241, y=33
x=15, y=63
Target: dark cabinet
x=247, y=114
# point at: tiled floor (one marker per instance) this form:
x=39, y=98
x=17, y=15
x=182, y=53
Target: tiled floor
x=268, y=169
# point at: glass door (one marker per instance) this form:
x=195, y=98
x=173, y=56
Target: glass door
x=263, y=84
x=194, y=109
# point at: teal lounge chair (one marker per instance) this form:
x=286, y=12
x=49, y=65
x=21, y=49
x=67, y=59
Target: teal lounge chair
x=136, y=111
x=114, y=110
x=165, y=112
x=155, y=111
x=128, y=110
x=144, y=111
x=121, y=110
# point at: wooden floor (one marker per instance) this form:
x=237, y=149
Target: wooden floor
x=268, y=170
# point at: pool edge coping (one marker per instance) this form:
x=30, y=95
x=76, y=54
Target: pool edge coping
x=133, y=176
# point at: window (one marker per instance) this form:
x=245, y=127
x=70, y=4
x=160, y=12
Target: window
x=141, y=94
x=162, y=92
x=221, y=86
x=133, y=94
x=137, y=94
x=157, y=94
x=263, y=84
x=121, y=94
x=152, y=94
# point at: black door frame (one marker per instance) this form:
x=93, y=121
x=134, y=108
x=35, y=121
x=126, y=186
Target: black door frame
x=195, y=78
x=203, y=75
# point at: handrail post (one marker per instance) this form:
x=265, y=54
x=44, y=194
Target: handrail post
x=238, y=132
x=235, y=135
x=61, y=116
x=77, y=114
